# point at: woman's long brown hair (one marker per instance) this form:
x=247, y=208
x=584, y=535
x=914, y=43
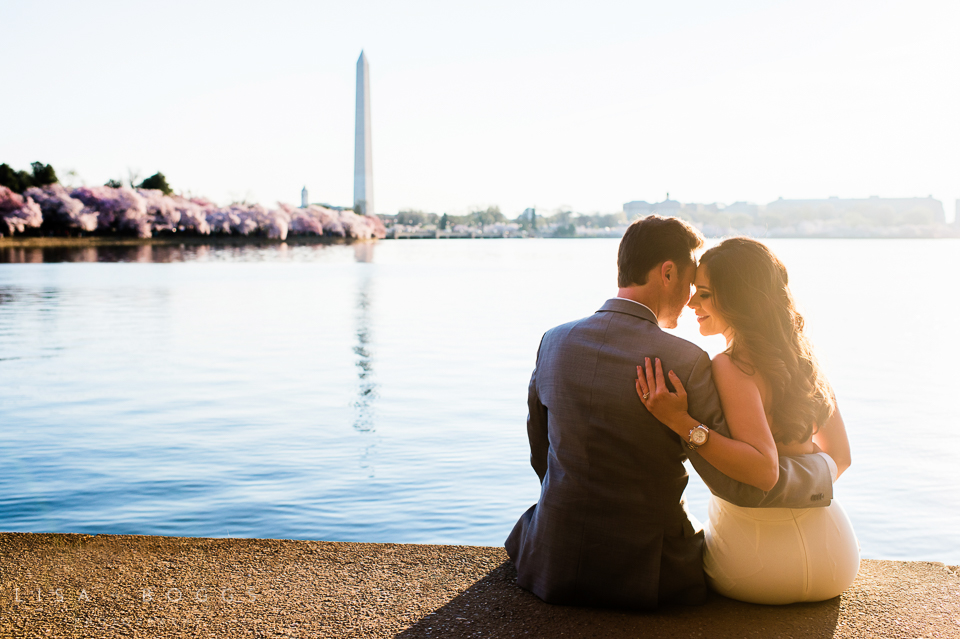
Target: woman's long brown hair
x=749, y=285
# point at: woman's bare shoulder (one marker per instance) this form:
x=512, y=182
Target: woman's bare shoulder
x=723, y=363
x=728, y=372
x=730, y=378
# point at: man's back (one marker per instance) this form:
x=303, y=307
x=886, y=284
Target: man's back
x=609, y=528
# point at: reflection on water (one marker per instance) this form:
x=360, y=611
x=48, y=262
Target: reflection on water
x=363, y=251
x=146, y=253
x=367, y=388
x=135, y=253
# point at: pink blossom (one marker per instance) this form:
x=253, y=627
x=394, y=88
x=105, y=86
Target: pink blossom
x=277, y=223
x=362, y=227
x=161, y=209
x=9, y=201
x=193, y=214
x=18, y=213
x=377, y=229
x=145, y=211
x=303, y=221
x=120, y=209
x=59, y=207
x=333, y=226
x=237, y=218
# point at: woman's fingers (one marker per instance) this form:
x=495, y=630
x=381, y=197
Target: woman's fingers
x=651, y=378
x=681, y=391
x=641, y=391
x=641, y=381
x=661, y=383
x=652, y=382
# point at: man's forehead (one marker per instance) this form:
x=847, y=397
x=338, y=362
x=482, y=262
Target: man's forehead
x=701, y=277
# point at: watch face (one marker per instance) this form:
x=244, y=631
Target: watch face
x=698, y=437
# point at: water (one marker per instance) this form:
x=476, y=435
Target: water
x=377, y=392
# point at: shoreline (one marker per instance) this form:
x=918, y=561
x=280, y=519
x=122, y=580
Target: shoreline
x=186, y=240
x=149, y=586
x=313, y=240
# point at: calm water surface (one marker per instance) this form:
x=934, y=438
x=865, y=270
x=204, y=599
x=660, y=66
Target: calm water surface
x=377, y=392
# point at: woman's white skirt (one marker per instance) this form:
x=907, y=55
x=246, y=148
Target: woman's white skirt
x=779, y=555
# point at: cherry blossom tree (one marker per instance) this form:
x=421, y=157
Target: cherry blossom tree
x=62, y=210
x=17, y=212
x=144, y=212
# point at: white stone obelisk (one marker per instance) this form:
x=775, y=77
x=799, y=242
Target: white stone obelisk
x=363, y=149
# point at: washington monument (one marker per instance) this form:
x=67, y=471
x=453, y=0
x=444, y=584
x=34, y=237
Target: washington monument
x=363, y=149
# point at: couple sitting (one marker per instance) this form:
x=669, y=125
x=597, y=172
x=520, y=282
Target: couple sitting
x=617, y=405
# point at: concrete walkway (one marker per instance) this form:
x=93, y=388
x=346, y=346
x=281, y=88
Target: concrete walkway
x=134, y=586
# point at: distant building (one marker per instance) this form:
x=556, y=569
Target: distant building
x=693, y=208
x=667, y=208
x=742, y=207
x=641, y=208
x=637, y=208
x=304, y=198
x=875, y=209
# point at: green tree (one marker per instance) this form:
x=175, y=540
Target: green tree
x=13, y=179
x=560, y=217
x=443, y=222
x=20, y=181
x=410, y=217
x=156, y=181
x=455, y=220
x=491, y=215
x=114, y=184
x=610, y=219
x=43, y=174
x=570, y=230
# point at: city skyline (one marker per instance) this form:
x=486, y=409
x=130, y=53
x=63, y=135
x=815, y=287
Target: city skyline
x=746, y=101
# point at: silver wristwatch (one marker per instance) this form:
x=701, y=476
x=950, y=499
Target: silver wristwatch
x=698, y=437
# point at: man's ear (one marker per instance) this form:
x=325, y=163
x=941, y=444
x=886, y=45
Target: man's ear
x=668, y=271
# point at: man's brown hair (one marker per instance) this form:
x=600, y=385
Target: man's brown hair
x=652, y=240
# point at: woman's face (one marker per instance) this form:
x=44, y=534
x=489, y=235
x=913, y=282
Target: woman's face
x=703, y=304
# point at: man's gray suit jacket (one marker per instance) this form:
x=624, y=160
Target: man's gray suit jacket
x=609, y=528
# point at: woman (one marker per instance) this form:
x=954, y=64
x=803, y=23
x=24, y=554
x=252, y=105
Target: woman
x=776, y=401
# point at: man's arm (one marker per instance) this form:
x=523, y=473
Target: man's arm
x=537, y=425
x=805, y=480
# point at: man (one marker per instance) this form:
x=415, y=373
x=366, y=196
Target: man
x=610, y=528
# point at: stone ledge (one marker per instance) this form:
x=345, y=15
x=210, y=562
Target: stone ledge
x=59, y=585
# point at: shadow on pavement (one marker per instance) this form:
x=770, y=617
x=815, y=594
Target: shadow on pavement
x=496, y=607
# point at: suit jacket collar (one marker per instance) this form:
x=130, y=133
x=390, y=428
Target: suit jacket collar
x=621, y=305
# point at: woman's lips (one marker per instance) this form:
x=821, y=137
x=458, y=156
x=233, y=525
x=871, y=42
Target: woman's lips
x=702, y=318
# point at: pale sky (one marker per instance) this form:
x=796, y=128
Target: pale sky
x=585, y=105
